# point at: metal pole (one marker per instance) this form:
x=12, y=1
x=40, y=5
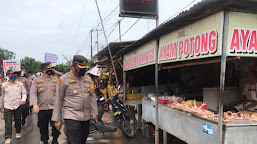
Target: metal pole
x=222, y=74
x=164, y=137
x=124, y=85
x=156, y=83
x=97, y=41
x=119, y=30
x=221, y=99
x=117, y=81
x=91, y=44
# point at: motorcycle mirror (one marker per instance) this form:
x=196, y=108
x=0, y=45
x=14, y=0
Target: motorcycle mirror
x=101, y=99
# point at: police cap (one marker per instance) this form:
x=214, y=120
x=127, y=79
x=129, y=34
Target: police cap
x=47, y=65
x=11, y=71
x=80, y=61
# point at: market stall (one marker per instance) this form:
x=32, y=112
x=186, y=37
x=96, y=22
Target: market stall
x=221, y=34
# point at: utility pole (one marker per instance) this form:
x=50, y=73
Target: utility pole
x=119, y=29
x=92, y=30
x=117, y=81
x=91, y=43
x=97, y=30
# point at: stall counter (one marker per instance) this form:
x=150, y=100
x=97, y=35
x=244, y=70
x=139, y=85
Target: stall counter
x=196, y=130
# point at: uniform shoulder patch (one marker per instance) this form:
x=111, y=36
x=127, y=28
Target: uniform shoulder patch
x=18, y=83
x=60, y=81
x=5, y=84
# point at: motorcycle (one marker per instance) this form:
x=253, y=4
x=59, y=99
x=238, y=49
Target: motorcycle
x=100, y=100
x=120, y=119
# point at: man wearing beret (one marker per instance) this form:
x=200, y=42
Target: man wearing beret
x=12, y=98
x=76, y=102
x=42, y=96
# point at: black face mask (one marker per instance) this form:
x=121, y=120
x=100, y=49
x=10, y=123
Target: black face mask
x=50, y=72
x=81, y=72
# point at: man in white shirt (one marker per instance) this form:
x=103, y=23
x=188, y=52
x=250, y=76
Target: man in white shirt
x=13, y=96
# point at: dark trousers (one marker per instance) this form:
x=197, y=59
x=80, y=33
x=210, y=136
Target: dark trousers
x=8, y=115
x=44, y=117
x=25, y=113
x=77, y=131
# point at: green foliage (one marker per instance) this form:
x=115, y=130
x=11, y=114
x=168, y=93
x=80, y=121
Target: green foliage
x=31, y=65
x=5, y=55
x=63, y=68
x=90, y=63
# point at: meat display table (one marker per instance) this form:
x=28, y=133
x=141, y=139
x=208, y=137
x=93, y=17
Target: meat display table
x=196, y=130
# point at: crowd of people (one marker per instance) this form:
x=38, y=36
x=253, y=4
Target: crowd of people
x=54, y=97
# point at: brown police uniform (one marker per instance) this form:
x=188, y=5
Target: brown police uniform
x=42, y=93
x=75, y=101
x=76, y=96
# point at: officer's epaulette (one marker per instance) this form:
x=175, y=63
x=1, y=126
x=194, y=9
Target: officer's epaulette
x=85, y=78
x=18, y=83
x=72, y=81
x=40, y=81
x=5, y=84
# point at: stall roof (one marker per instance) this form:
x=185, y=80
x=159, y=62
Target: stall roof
x=114, y=46
x=199, y=11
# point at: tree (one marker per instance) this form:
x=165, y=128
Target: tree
x=5, y=55
x=31, y=65
x=63, y=68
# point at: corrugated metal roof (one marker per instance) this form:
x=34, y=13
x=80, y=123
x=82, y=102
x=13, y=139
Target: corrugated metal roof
x=199, y=11
x=114, y=47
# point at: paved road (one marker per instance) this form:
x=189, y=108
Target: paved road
x=30, y=132
x=31, y=135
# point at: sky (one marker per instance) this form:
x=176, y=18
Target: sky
x=33, y=27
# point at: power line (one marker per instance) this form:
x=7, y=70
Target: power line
x=103, y=20
x=79, y=25
x=108, y=7
x=81, y=19
x=180, y=11
x=128, y=29
x=84, y=43
x=108, y=15
x=112, y=30
x=115, y=24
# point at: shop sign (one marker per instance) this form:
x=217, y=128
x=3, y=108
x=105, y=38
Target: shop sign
x=11, y=65
x=199, y=40
x=140, y=57
x=51, y=58
x=242, y=35
x=208, y=130
x=138, y=8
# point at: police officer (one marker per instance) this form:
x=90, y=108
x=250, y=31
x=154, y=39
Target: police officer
x=76, y=102
x=13, y=96
x=42, y=95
